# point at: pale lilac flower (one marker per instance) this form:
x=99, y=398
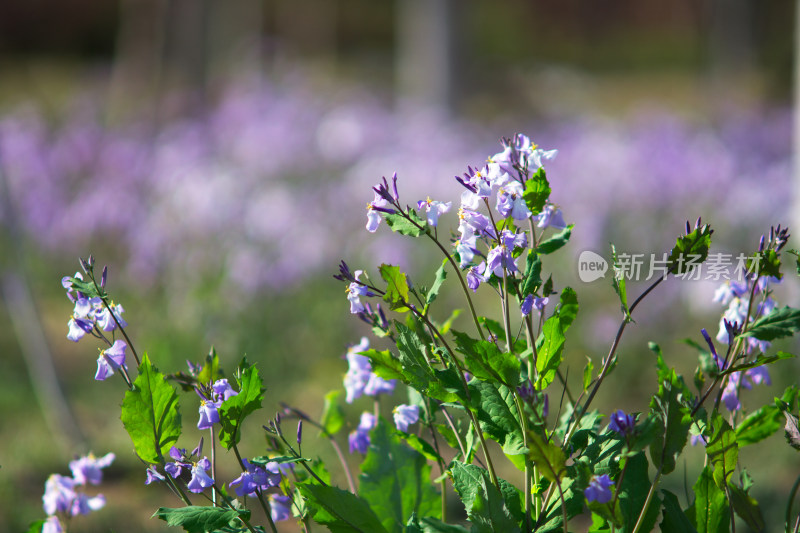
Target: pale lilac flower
x=510, y=201
x=58, y=494
x=697, y=440
x=256, y=478
x=405, y=415
x=550, y=217
x=359, y=438
x=152, y=475
x=223, y=390
x=465, y=247
x=200, y=479
x=599, y=489
x=475, y=278
x=106, y=321
x=730, y=394
x=729, y=290
x=52, y=525
x=377, y=385
x=110, y=360
x=532, y=302
x=280, y=507
x=472, y=223
x=354, y=293
x=358, y=371
x=434, y=209
x=759, y=375
x=88, y=469
x=78, y=327
x=736, y=313
x=209, y=414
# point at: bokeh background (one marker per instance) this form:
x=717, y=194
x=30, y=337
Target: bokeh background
x=217, y=156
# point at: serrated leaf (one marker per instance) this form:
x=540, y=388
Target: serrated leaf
x=709, y=511
x=549, y=347
x=783, y=322
x=485, y=360
x=722, y=451
x=395, y=481
x=332, y=413
x=537, y=191
x=497, y=415
x=533, y=274
x=235, y=409
x=151, y=414
x=433, y=292
x=444, y=385
x=673, y=415
x=384, y=364
x=747, y=508
x=765, y=263
x=490, y=510
x=198, y=519
x=339, y=510
x=547, y=456
x=396, y=286
x=758, y=425
x=567, y=307
x=674, y=520
x=556, y=241
x=401, y=225
x=690, y=250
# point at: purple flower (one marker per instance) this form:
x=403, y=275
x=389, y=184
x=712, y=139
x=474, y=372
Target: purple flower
x=533, y=302
x=256, y=478
x=355, y=291
x=58, y=494
x=729, y=290
x=52, y=525
x=88, y=469
x=434, y=209
x=472, y=223
x=359, y=438
x=405, y=415
x=377, y=385
x=78, y=327
x=622, y=423
x=696, y=440
x=551, y=217
x=223, y=390
x=475, y=278
x=200, y=479
x=106, y=321
x=599, y=489
x=280, y=507
x=110, y=360
x=152, y=475
x=208, y=414
x=510, y=201
x=759, y=375
x=360, y=379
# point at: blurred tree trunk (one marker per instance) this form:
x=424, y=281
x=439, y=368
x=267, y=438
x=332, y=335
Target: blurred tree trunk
x=306, y=29
x=731, y=46
x=426, y=53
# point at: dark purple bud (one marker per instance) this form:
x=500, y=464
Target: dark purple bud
x=622, y=423
x=394, y=186
x=104, y=276
x=707, y=337
x=299, y=431
x=761, y=244
x=198, y=452
x=384, y=322
x=733, y=329
x=344, y=273
x=91, y=261
x=84, y=265
x=771, y=233
x=386, y=210
x=465, y=184
x=277, y=420
x=697, y=224
x=526, y=391
x=688, y=228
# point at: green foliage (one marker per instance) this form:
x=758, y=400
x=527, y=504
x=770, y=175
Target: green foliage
x=490, y=510
x=395, y=481
x=618, y=282
x=211, y=370
x=332, y=413
x=532, y=279
x=672, y=415
x=414, y=227
x=633, y=494
x=444, y=385
x=197, y=519
x=433, y=292
x=396, y=286
x=549, y=348
x=341, y=511
x=555, y=242
x=780, y=323
x=674, y=520
x=765, y=263
x=497, y=414
x=485, y=360
x=709, y=513
x=235, y=409
x=537, y=191
x=150, y=414
x=746, y=507
x=547, y=456
x=690, y=250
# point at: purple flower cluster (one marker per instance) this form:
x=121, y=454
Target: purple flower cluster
x=198, y=468
x=90, y=313
x=61, y=498
x=211, y=401
x=359, y=438
x=257, y=478
x=599, y=489
x=360, y=379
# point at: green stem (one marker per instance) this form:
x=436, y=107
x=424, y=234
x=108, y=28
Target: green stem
x=524, y=421
x=650, y=493
x=790, y=502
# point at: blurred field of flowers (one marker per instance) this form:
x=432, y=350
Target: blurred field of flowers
x=223, y=227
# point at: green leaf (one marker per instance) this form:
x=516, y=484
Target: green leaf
x=549, y=347
x=633, y=493
x=88, y=288
x=690, y=250
x=444, y=385
x=489, y=509
x=796, y=254
x=747, y=508
x=765, y=263
x=441, y=275
x=150, y=414
x=575, y=501
x=674, y=520
x=537, y=191
x=396, y=286
x=547, y=456
x=567, y=307
x=780, y=323
x=339, y=510
x=36, y=526
x=533, y=274
x=401, y=225
x=384, y=364
x=211, y=371
x=485, y=360
x=497, y=415
x=709, y=511
x=198, y=519
x=555, y=242
x=618, y=282
x=759, y=425
x=235, y=409
x=395, y=481
x=423, y=447
x=332, y=413
x=672, y=415
x=588, y=371
x=722, y=451
x=433, y=525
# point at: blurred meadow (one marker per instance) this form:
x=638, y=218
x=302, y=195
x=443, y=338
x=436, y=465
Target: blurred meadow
x=217, y=156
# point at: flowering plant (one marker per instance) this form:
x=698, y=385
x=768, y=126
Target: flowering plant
x=498, y=392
